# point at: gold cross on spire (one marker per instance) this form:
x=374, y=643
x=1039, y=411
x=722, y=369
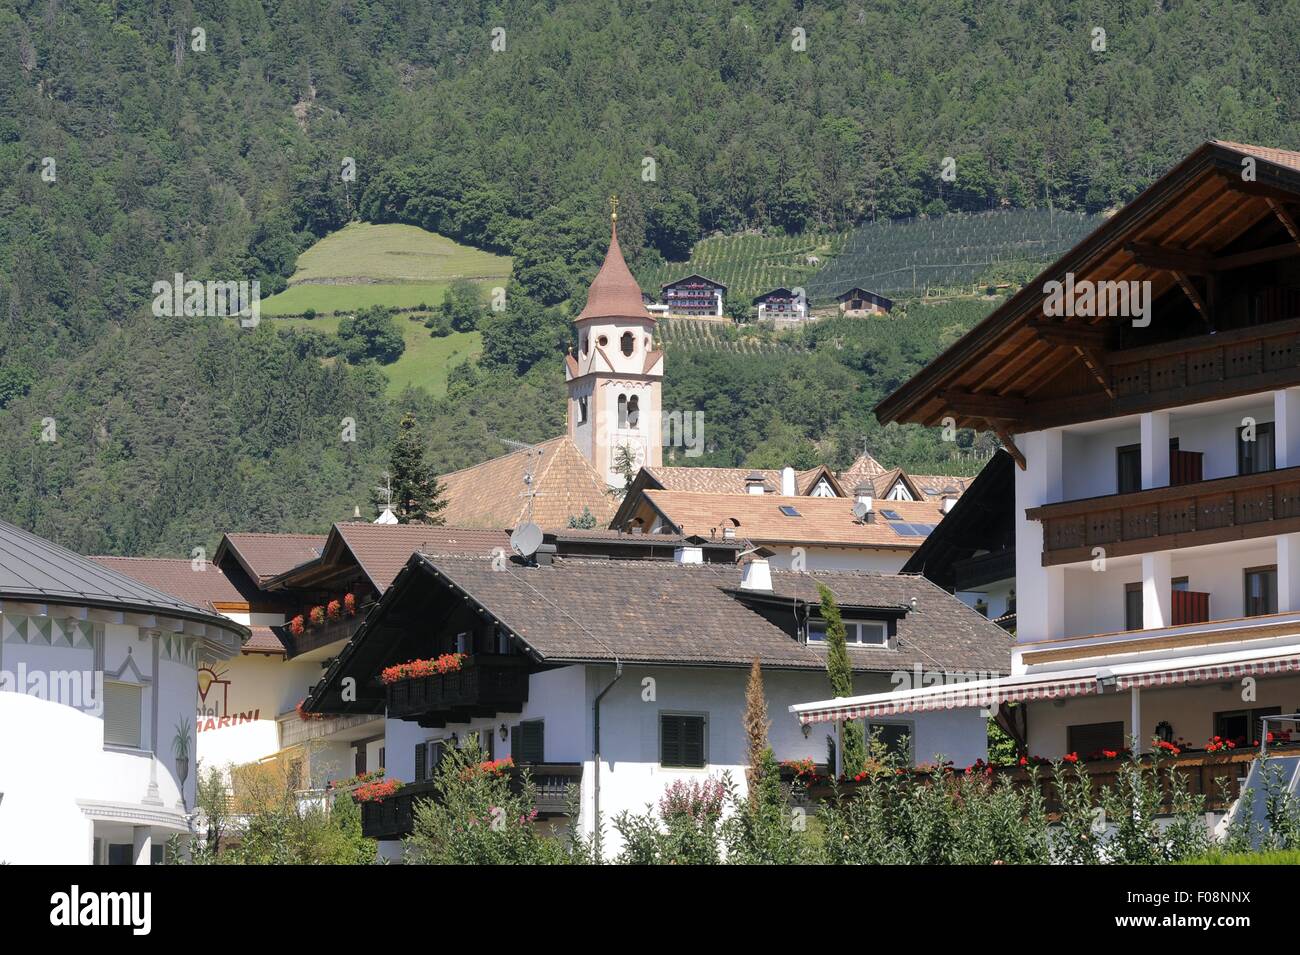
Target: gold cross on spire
x=613, y=208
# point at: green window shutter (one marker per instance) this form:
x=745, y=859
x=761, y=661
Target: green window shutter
x=693, y=741
x=421, y=761
x=670, y=741
x=528, y=742
x=681, y=740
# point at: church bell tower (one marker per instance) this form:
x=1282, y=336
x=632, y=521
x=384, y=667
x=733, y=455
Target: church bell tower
x=614, y=381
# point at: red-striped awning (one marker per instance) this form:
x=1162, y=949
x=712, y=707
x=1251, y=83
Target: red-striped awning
x=985, y=693
x=990, y=693
x=1208, y=673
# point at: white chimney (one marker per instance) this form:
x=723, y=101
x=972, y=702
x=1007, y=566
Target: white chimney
x=787, y=482
x=728, y=532
x=689, y=554
x=864, y=503
x=756, y=574
x=754, y=483
x=949, y=502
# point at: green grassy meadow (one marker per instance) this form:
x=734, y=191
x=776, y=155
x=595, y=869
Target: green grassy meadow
x=426, y=360
x=399, y=266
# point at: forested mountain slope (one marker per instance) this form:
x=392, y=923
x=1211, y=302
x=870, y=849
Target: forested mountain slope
x=133, y=148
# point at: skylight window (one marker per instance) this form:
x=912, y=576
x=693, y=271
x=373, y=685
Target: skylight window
x=892, y=515
x=789, y=511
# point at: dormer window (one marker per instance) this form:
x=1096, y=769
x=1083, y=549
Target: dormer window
x=857, y=633
x=627, y=343
x=899, y=492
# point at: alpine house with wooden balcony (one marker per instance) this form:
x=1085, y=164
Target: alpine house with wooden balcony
x=1157, y=481
x=618, y=675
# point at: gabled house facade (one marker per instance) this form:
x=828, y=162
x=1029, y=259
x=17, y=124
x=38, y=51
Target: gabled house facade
x=694, y=297
x=1147, y=386
x=859, y=303
x=620, y=675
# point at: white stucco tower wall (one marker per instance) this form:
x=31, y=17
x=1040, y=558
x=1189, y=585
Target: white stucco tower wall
x=614, y=381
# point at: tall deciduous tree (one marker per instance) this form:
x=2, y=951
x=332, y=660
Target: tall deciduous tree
x=416, y=495
x=838, y=668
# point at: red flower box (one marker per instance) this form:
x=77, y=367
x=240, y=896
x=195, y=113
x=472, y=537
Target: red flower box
x=334, y=610
x=376, y=792
x=317, y=616
x=304, y=715
x=350, y=604
x=297, y=625
x=447, y=663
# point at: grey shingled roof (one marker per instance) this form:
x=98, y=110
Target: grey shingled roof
x=665, y=612
x=33, y=569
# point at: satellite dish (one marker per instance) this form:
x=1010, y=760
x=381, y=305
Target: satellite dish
x=861, y=509
x=526, y=539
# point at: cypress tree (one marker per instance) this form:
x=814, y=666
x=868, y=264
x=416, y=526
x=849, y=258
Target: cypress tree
x=854, y=746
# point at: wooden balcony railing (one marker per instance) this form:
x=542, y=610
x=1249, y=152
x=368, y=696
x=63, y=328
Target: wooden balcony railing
x=313, y=638
x=485, y=684
x=1209, y=512
x=394, y=818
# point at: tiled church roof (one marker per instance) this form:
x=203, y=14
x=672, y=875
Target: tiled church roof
x=614, y=292
x=492, y=494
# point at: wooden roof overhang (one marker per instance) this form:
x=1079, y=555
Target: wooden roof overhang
x=1017, y=370
x=337, y=566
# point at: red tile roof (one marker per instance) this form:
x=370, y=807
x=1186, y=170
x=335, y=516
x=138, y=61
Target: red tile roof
x=177, y=576
x=268, y=555
x=1280, y=157
x=820, y=520
x=264, y=640
x=492, y=495
x=382, y=550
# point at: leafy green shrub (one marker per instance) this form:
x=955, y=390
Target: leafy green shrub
x=474, y=818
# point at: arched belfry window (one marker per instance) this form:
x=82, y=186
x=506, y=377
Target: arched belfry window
x=627, y=343
x=633, y=411
x=622, y=411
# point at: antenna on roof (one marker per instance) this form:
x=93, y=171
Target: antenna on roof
x=529, y=469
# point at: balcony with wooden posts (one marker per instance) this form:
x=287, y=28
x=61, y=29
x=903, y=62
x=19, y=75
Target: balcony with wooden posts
x=1243, y=507
x=394, y=816
x=484, y=685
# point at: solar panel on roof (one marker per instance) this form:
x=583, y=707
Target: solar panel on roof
x=892, y=515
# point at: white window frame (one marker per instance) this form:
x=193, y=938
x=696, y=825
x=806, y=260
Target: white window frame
x=853, y=633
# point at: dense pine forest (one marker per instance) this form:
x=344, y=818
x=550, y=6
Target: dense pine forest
x=140, y=139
